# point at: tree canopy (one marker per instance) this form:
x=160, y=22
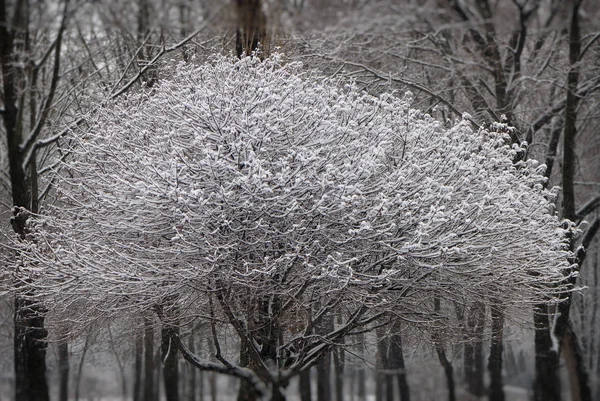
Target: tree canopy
x=249, y=180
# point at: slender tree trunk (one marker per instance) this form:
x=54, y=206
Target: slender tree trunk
x=338, y=363
x=170, y=363
x=396, y=362
x=119, y=364
x=63, y=370
x=441, y=353
x=547, y=382
x=149, y=367
x=86, y=346
x=448, y=371
x=137, y=366
x=157, y=380
x=474, y=370
x=496, y=390
x=578, y=376
x=192, y=381
x=245, y=392
x=212, y=376
x=324, y=364
x=305, y=386
x=380, y=362
x=362, y=374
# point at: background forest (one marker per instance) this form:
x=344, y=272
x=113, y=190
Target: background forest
x=533, y=65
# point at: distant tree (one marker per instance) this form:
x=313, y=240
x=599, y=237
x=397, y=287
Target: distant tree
x=270, y=198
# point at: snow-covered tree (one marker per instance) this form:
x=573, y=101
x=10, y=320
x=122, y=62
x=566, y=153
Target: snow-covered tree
x=263, y=196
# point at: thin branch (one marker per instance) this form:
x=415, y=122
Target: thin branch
x=39, y=144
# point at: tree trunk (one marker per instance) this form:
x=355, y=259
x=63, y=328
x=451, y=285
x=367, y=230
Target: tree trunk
x=170, y=363
x=580, y=389
x=149, y=367
x=380, y=357
x=305, y=386
x=448, y=371
x=80, y=368
x=474, y=371
x=496, y=390
x=396, y=362
x=578, y=376
x=547, y=382
x=192, y=381
x=245, y=392
x=212, y=376
x=29, y=337
x=251, y=27
x=441, y=353
x=63, y=370
x=324, y=364
x=362, y=375
x=137, y=366
x=338, y=363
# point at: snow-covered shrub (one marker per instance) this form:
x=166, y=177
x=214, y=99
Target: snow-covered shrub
x=253, y=180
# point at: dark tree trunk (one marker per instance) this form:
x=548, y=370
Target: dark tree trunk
x=578, y=376
x=251, y=27
x=474, y=370
x=212, y=376
x=29, y=333
x=170, y=363
x=380, y=363
x=338, y=363
x=396, y=361
x=245, y=392
x=362, y=376
x=63, y=370
x=192, y=380
x=86, y=346
x=324, y=364
x=149, y=366
x=137, y=366
x=448, y=371
x=547, y=382
x=441, y=353
x=496, y=390
x=305, y=386
x=563, y=331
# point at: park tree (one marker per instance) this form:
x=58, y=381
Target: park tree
x=261, y=197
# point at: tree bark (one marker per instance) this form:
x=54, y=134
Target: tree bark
x=63, y=370
x=396, y=361
x=149, y=367
x=496, y=390
x=441, y=353
x=29, y=333
x=474, y=370
x=245, y=392
x=362, y=376
x=305, y=386
x=86, y=346
x=448, y=371
x=251, y=27
x=580, y=389
x=547, y=382
x=170, y=363
x=137, y=366
x=324, y=364
x=192, y=380
x=380, y=362
x=338, y=363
